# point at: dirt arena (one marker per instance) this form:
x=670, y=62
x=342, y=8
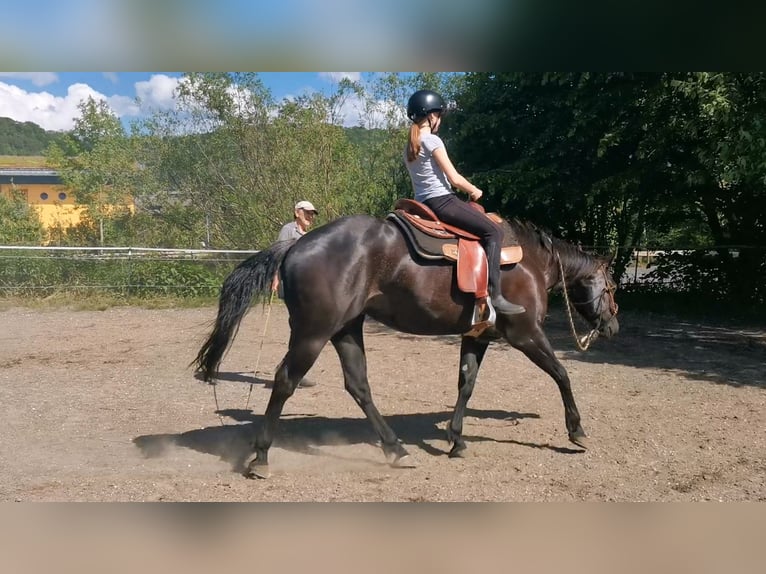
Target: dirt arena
x=102, y=406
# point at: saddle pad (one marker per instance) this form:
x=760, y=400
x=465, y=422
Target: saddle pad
x=430, y=247
x=427, y=246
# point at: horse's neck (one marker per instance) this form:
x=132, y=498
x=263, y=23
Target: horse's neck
x=570, y=260
x=539, y=251
x=552, y=255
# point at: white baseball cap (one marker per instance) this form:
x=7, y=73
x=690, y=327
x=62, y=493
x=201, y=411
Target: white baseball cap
x=306, y=205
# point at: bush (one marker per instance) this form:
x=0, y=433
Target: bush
x=702, y=282
x=38, y=276
x=180, y=279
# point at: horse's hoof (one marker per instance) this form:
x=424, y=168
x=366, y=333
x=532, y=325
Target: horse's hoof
x=580, y=439
x=257, y=470
x=457, y=452
x=405, y=461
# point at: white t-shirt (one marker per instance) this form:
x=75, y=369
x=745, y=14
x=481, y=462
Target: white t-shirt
x=428, y=179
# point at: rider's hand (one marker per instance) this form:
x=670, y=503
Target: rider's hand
x=476, y=195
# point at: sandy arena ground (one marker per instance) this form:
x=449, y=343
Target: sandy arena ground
x=102, y=406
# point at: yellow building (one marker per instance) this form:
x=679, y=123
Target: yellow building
x=42, y=189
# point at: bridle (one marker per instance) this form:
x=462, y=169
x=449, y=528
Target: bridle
x=609, y=288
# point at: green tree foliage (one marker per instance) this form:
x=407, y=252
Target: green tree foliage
x=610, y=159
x=20, y=223
x=97, y=163
x=238, y=161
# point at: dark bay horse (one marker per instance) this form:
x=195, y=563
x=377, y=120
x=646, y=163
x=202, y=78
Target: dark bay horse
x=338, y=274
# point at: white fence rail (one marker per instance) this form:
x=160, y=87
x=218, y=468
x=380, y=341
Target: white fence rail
x=125, y=251
x=142, y=271
x=35, y=270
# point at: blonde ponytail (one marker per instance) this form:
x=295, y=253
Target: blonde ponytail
x=413, y=144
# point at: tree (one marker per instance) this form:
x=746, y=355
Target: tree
x=21, y=224
x=97, y=163
x=238, y=161
x=606, y=159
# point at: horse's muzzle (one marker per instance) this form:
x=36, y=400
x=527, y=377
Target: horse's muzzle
x=610, y=328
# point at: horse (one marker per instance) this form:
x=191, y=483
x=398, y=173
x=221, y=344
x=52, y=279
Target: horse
x=360, y=266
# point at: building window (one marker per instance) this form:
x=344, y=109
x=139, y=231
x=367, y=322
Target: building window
x=62, y=196
x=43, y=196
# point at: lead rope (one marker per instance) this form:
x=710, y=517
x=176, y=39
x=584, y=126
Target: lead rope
x=255, y=370
x=260, y=349
x=217, y=408
x=582, y=342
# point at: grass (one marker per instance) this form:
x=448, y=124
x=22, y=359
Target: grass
x=22, y=161
x=73, y=302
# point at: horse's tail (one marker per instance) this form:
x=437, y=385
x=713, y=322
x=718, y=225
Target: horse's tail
x=251, y=278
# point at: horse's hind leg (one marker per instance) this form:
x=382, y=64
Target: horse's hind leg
x=296, y=363
x=471, y=354
x=349, y=343
x=539, y=350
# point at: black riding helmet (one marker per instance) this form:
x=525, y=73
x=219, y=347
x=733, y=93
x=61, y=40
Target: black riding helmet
x=424, y=101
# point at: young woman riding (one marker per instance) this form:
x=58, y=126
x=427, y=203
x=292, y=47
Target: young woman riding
x=433, y=177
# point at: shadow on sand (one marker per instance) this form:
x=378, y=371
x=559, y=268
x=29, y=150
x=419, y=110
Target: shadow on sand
x=306, y=433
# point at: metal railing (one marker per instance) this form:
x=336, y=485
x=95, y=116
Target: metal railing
x=126, y=271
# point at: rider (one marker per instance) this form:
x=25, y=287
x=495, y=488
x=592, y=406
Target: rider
x=433, y=177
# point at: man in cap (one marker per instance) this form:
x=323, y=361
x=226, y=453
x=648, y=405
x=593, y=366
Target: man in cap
x=303, y=219
x=304, y=214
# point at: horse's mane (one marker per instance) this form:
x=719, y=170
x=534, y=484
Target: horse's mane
x=530, y=236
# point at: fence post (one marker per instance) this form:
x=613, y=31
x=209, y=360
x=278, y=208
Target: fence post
x=130, y=272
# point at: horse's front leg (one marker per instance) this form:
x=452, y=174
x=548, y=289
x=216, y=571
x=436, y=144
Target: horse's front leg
x=471, y=354
x=538, y=349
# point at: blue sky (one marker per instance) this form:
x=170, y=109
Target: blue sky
x=50, y=99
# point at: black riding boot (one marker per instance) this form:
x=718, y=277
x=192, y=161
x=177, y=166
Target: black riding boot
x=501, y=304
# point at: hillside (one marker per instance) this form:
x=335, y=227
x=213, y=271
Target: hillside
x=24, y=138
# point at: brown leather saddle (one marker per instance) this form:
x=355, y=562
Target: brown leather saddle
x=434, y=239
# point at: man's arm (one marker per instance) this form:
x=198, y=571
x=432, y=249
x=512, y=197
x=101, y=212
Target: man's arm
x=284, y=234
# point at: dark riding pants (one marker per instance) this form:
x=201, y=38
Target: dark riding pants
x=451, y=209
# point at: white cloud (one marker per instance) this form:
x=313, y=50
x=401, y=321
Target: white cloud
x=123, y=106
x=353, y=113
x=58, y=113
x=111, y=76
x=158, y=91
x=37, y=78
x=43, y=108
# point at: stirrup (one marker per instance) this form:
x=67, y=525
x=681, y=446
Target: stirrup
x=491, y=315
x=480, y=323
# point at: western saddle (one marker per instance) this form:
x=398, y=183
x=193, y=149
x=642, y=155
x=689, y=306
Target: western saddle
x=434, y=239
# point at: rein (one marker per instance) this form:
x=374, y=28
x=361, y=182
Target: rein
x=582, y=342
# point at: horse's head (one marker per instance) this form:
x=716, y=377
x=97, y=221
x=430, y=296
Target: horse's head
x=593, y=297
